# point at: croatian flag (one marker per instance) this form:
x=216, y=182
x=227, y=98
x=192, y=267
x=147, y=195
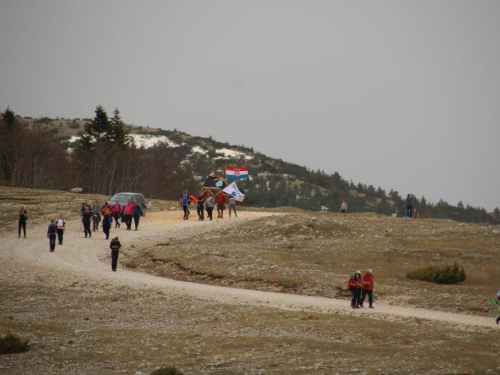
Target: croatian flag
x=236, y=173
x=234, y=192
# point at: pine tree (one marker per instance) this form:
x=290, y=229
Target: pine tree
x=460, y=205
x=118, y=134
x=96, y=129
x=9, y=118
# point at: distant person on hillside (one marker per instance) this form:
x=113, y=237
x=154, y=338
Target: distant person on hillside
x=115, y=246
x=221, y=205
x=51, y=235
x=185, y=202
x=23, y=217
x=210, y=205
x=409, y=205
x=137, y=214
x=367, y=288
x=354, y=285
x=232, y=206
x=128, y=211
x=200, y=207
x=96, y=216
x=496, y=302
x=117, y=209
x=415, y=213
x=86, y=221
x=343, y=207
x=61, y=224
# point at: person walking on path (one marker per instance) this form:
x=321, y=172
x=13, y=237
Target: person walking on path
x=232, y=206
x=23, y=216
x=61, y=223
x=107, y=216
x=86, y=221
x=115, y=246
x=354, y=285
x=221, y=199
x=367, y=288
x=96, y=216
x=128, y=211
x=117, y=209
x=409, y=205
x=184, y=202
x=200, y=207
x=496, y=302
x=137, y=214
x=210, y=206
x=343, y=207
x=51, y=235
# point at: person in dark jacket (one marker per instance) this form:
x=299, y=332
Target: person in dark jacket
x=200, y=207
x=86, y=221
x=185, y=202
x=137, y=214
x=115, y=246
x=354, y=285
x=106, y=224
x=23, y=216
x=51, y=235
x=367, y=288
x=409, y=205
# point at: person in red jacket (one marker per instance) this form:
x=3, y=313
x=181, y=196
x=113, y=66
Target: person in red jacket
x=354, y=285
x=367, y=288
x=128, y=211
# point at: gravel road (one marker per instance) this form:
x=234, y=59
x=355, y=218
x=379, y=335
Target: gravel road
x=88, y=260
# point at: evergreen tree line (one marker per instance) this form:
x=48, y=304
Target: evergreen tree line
x=104, y=161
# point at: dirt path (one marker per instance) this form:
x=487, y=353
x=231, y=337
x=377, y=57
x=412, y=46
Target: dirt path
x=86, y=260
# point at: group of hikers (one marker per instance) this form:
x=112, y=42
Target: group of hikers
x=206, y=201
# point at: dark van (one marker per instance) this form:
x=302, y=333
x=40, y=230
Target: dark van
x=124, y=197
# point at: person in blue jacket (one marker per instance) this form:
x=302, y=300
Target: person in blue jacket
x=409, y=205
x=137, y=214
x=184, y=201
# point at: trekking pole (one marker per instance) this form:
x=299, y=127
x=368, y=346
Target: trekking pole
x=80, y=229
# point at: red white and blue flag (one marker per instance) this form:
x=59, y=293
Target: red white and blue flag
x=236, y=173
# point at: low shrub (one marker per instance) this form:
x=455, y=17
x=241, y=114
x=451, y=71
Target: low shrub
x=10, y=344
x=445, y=274
x=167, y=371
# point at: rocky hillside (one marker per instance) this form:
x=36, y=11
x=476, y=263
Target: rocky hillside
x=273, y=182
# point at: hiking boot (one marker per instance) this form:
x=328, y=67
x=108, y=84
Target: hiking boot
x=371, y=307
x=498, y=320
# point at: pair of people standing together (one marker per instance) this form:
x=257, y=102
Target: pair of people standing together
x=360, y=286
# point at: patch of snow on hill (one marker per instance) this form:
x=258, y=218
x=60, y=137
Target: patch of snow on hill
x=141, y=140
x=199, y=150
x=147, y=141
x=228, y=153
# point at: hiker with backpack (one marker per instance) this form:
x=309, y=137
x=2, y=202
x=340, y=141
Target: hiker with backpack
x=367, y=288
x=354, y=285
x=221, y=205
x=115, y=246
x=61, y=223
x=23, y=216
x=51, y=235
x=107, y=217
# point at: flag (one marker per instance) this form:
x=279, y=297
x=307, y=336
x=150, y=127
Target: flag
x=236, y=173
x=234, y=192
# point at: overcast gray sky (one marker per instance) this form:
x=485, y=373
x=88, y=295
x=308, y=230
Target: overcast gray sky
x=398, y=94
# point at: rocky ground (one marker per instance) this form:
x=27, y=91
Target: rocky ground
x=81, y=318
x=314, y=254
